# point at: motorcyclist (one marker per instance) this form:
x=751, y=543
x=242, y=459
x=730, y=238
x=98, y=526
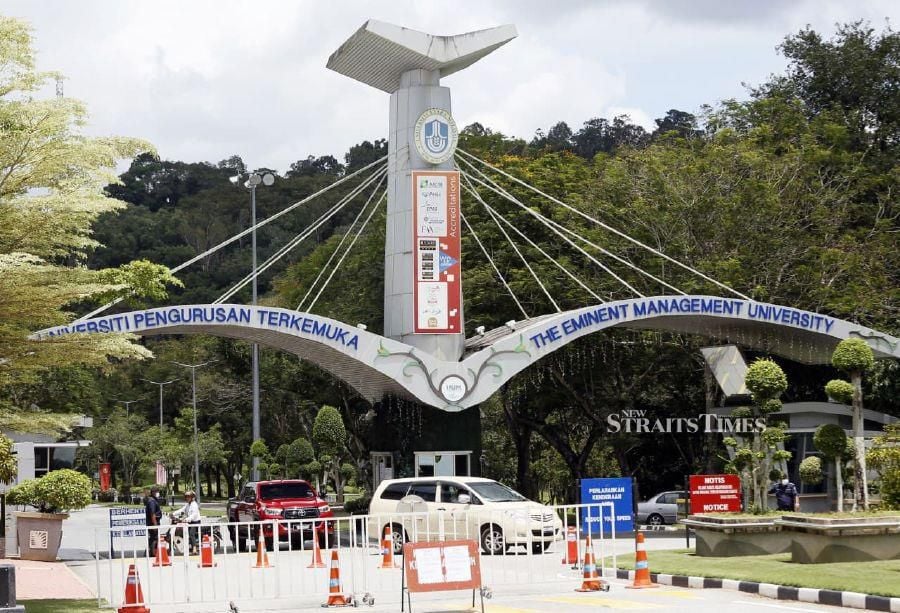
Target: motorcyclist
x=190, y=514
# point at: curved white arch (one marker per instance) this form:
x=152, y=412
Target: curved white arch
x=375, y=365
x=796, y=334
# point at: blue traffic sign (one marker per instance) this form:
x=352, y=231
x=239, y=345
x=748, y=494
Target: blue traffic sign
x=616, y=490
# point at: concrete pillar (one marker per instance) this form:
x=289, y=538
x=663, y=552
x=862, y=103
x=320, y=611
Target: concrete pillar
x=419, y=91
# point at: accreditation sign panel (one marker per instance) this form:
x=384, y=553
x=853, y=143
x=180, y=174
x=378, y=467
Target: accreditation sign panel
x=436, y=247
x=715, y=494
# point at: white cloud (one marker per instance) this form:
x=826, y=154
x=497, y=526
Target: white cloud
x=204, y=80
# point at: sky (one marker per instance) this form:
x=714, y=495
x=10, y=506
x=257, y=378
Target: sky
x=204, y=80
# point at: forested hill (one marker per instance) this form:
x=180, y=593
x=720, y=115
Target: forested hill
x=178, y=209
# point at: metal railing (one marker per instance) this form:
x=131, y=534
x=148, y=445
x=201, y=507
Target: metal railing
x=519, y=547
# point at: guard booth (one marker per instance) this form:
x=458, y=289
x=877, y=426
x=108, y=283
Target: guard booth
x=414, y=440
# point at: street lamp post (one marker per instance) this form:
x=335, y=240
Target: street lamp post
x=254, y=180
x=161, y=385
x=128, y=404
x=194, y=368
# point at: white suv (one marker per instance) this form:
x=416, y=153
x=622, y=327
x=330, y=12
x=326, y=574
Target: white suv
x=461, y=508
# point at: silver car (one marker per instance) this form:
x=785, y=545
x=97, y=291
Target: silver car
x=660, y=509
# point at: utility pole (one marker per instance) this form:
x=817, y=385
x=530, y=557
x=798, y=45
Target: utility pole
x=161, y=385
x=254, y=180
x=194, y=368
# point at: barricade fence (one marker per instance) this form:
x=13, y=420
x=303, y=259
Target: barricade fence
x=517, y=547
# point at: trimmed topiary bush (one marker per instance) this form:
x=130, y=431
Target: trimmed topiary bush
x=811, y=470
x=853, y=355
x=840, y=391
x=59, y=491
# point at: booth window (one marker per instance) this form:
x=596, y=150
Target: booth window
x=443, y=463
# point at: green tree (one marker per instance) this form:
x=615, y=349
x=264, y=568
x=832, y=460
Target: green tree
x=330, y=439
x=885, y=458
x=831, y=440
x=51, y=179
x=9, y=464
x=855, y=357
x=756, y=454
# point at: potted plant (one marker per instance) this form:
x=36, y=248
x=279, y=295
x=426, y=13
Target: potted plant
x=53, y=495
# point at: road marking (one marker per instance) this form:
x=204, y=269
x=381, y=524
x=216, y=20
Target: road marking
x=686, y=594
x=490, y=608
x=775, y=606
x=604, y=603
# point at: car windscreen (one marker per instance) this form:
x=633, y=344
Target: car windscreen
x=491, y=491
x=275, y=491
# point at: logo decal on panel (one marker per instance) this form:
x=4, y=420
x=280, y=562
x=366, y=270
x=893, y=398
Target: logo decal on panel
x=436, y=136
x=436, y=243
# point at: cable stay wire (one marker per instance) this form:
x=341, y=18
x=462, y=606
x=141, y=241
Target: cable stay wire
x=346, y=252
x=471, y=231
x=525, y=261
x=339, y=245
x=555, y=227
x=551, y=225
x=243, y=233
x=306, y=233
x=607, y=227
x=471, y=189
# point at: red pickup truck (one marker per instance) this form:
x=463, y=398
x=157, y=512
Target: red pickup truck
x=291, y=503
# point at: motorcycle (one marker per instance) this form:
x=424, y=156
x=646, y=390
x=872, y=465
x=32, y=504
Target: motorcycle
x=178, y=538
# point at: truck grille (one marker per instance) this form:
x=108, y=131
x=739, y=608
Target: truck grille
x=301, y=513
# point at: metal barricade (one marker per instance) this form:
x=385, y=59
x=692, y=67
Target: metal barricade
x=521, y=547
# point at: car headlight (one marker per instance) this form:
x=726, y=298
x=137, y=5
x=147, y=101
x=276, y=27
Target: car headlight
x=324, y=509
x=272, y=511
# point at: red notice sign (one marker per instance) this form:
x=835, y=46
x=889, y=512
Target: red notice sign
x=437, y=278
x=715, y=494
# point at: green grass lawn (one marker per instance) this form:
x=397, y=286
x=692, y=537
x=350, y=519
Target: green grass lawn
x=59, y=606
x=877, y=578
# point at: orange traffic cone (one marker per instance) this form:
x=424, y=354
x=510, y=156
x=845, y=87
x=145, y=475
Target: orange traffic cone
x=316, y=554
x=262, y=556
x=336, y=596
x=387, y=549
x=134, y=595
x=592, y=581
x=570, y=555
x=162, y=553
x=206, y=553
x=641, y=566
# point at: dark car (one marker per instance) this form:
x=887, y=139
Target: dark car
x=291, y=504
x=660, y=509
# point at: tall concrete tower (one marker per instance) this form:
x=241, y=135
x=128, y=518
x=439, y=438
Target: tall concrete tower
x=422, y=276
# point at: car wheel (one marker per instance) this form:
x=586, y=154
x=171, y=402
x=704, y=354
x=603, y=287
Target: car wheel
x=324, y=541
x=270, y=543
x=655, y=519
x=492, y=542
x=398, y=538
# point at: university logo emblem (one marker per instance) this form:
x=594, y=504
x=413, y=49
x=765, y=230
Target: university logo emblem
x=435, y=136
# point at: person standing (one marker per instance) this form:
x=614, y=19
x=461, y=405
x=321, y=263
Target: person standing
x=786, y=498
x=154, y=517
